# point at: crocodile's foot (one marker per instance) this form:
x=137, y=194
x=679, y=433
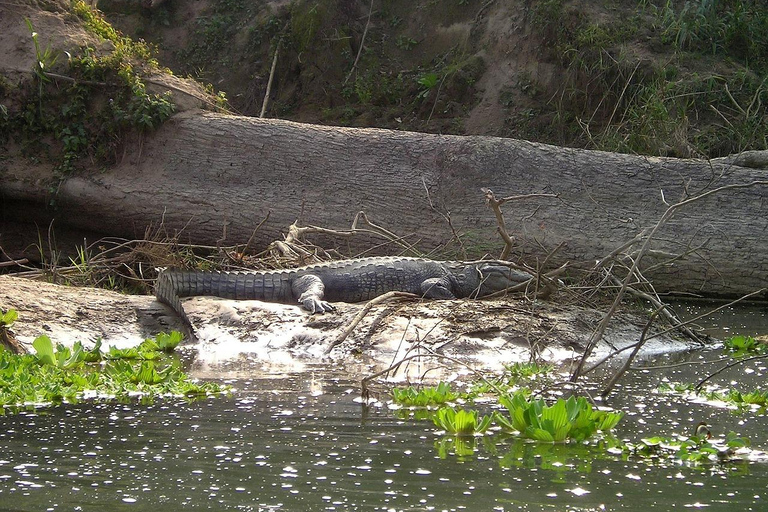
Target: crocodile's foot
x=315, y=305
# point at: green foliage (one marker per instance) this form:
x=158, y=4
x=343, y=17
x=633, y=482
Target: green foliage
x=99, y=26
x=209, y=44
x=405, y=43
x=461, y=422
x=742, y=346
x=620, y=100
x=90, y=114
x=573, y=418
x=693, y=450
x=7, y=318
x=44, y=59
x=427, y=82
x=509, y=381
x=168, y=342
x=438, y=395
x=524, y=371
x=56, y=374
x=737, y=28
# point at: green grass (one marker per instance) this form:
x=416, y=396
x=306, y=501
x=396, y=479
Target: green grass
x=686, y=79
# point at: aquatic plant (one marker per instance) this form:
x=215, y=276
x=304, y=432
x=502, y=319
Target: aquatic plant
x=55, y=374
x=438, y=395
x=742, y=401
x=697, y=448
x=508, y=382
x=529, y=370
x=742, y=346
x=7, y=318
x=461, y=422
x=571, y=419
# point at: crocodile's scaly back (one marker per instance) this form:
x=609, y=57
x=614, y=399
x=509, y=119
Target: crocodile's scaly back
x=352, y=280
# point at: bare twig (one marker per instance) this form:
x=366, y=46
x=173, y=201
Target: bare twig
x=272, y=72
x=600, y=331
x=364, y=311
x=362, y=44
x=14, y=263
x=672, y=328
x=628, y=362
x=495, y=205
x=729, y=365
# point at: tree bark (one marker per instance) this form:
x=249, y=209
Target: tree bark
x=206, y=175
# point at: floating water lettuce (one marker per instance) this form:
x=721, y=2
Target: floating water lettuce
x=56, y=374
x=461, y=422
x=694, y=449
x=573, y=418
x=742, y=346
x=438, y=395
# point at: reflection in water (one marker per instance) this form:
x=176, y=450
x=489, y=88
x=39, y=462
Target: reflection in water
x=290, y=450
x=310, y=446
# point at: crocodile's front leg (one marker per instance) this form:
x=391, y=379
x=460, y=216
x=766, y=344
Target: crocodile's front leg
x=438, y=288
x=309, y=290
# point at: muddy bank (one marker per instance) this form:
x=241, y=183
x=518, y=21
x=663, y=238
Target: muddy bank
x=452, y=335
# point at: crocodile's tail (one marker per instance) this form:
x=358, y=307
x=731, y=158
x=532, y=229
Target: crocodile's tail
x=166, y=292
x=172, y=285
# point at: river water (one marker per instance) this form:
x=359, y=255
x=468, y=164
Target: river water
x=309, y=444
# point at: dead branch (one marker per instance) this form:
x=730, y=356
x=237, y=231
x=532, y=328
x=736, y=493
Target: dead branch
x=14, y=263
x=672, y=328
x=495, y=205
x=364, y=311
x=272, y=72
x=727, y=366
x=662, y=308
x=362, y=45
x=382, y=232
x=628, y=362
x=600, y=331
x=10, y=343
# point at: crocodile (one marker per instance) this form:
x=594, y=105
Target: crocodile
x=315, y=287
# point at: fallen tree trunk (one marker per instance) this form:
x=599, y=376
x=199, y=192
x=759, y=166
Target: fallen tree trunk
x=214, y=177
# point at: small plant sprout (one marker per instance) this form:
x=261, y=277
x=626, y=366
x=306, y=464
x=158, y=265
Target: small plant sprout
x=461, y=422
x=427, y=82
